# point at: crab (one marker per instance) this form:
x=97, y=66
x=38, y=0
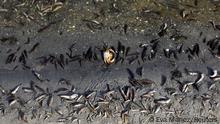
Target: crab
x=109, y=56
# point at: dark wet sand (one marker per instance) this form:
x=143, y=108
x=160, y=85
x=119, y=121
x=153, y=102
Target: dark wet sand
x=93, y=28
x=94, y=75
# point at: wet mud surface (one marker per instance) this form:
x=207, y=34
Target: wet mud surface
x=164, y=71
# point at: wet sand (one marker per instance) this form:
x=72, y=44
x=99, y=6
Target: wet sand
x=166, y=71
x=94, y=76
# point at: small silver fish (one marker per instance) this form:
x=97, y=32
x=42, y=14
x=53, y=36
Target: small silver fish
x=92, y=93
x=185, y=88
x=215, y=73
x=50, y=100
x=216, y=78
x=40, y=97
x=15, y=89
x=164, y=100
x=78, y=105
x=156, y=109
x=2, y=90
x=148, y=94
x=12, y=102
x=27, y=90
x=69, y=96
x=199, y=78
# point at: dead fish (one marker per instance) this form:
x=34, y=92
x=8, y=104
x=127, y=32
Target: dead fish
x=211, y=85
x=217, y=27
x=179, y=48
x=217, y=55
x=11, y=100
x=28, y=41
x=170, y=91
x=40, y=97
x=124, y=116
x=77, y=104
x=2, y=90
x=2, y=108
x=163, y=80
x=39, y=88
x=91, y=106
x=37, y=75
x=48, y=25
x=27, y=90
x=10, y=58
x=214, y=74
x=178, y=37
x=15, y=89
x=139, y=70
x=22, y=59
x=184, y=87
x=176, y=74
x=213, y=43
x=89, y=94
x=143, y=54
x=204, y=40
x=61, y=90
x=59, y=111
x=163, y=29
x=120, y=49
x=132, y=59
x=141, y=82
x=196, y=49
x=156, y=109
x=34, y=47
x=174, y=54
x=110, y=92
x=64, y=81
x=47, y=115
x=130, y=73
x=123, y=94
x=193, y=73
x=25, y=53
x=148, y=94
x=127, y=93
x=68, y=96
x=33, y=114
x=199, y=78
x=93, y=24
x=74, y=58
x=214, y=25
x=62, y=119
x=21, y=116
x=216, y=78
x=10, y=40
x=75, y=119
x=61, y=61
x=95, y=56
x=127, y=51
x=166, y=52
x=132, y=94
x=71, y=47
x=164, y=100
x=195, y=86
x=152, y=54
x=125, y=28
x=103, y=102
x=50, y=100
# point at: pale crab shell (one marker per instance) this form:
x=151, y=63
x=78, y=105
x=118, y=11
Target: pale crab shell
x=109, y=56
